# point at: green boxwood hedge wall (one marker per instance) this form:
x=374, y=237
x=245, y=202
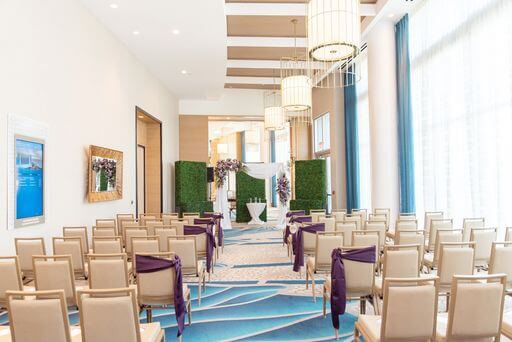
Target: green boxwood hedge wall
x=248, y=187
x=310, y=185
x=191, y=187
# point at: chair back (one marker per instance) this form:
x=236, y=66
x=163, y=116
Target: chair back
x=79, y=232
x=71, y=246
x=144, y=245
x=325, y=243
x=470, y=223
x=329, y=222
x=103, y=231
x=455, y=258
x=362, y=238
x=406, y=225
x=429, y=215
x=360, y=216
x=378, y=218
x=443, y=236
x=107, y=223
x=402, y=321
x=435, y=225
x=406, y=217
x=25, y=249
x=380, y=227
x=483, y=238
x=363, y=213
x=346, y=228
x=98, y=307
x=185, y=247
x=166, y=218
x=152, y=225
x=108, y=271
x=354, y=218
x=383, y=211
x=157, y=288
x=127, y=223
x=359, y=276
x=10, y=277
x=42, y=317
x=144, y=218
x=315, y=215
x=107, y=245
x=401, y=261
x=163, y=233
x=508, y=234
x=131, y=232
x=179, y=225
x=309, y=242
x=501, y=254
x=55, y=272
x=412, y=238
x=476, y=307
x=339, y=215
x=120, y=219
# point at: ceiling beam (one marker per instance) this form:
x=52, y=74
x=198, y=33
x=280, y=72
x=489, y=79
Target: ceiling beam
x=262, y=64
x=266, y=41
x=285, y=9
x=252, y=80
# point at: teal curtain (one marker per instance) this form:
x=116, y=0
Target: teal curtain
x=351, y=143
x=242, y=143
x=405, y=125
x=273, y=160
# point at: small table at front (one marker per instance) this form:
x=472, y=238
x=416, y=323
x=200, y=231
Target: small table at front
x=255, y=209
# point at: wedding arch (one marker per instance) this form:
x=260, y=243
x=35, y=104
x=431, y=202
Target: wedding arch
x=256, y=170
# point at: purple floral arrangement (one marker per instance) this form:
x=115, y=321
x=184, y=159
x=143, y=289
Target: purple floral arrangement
x=283, y=189
x=223, y=167
x=108, y=166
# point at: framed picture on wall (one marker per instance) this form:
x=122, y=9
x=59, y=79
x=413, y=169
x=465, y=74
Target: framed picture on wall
x=29, y=206
x=105, y=174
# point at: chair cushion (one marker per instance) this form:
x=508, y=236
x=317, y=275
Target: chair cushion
x=150, y=332
x=370, y=326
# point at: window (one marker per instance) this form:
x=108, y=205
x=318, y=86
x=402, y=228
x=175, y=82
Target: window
x=363, y=130
x=461, y=78
x=322, y=134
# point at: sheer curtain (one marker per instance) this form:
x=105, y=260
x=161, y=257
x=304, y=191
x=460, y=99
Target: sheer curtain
x=363, y=127
x=461, y=80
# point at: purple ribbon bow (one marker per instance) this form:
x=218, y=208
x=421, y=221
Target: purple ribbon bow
x=210, y=241
x=218, y=218
x=295, y=218
x=149, y=264
x=299, y=243
x=338, y=283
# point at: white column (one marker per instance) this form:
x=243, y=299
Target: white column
x=383, y=117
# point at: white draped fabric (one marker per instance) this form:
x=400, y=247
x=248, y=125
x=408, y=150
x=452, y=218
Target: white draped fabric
x=260, y=171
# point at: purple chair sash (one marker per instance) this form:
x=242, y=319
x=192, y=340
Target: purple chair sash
x=149, y=264
x=338, y=283
x=295, y=218
x=210, y=241
x=295, y=213
x=299, y=243
x=218, y=218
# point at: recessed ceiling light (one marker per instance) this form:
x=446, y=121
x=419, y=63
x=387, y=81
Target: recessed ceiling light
x=114, y=6
x=141, y=116
x=136, y=33
x=175, y=32
x=184, y=72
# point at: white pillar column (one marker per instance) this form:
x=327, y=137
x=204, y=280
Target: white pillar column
x=383, y=117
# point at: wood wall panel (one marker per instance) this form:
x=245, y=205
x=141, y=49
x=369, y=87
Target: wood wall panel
x=194, y=138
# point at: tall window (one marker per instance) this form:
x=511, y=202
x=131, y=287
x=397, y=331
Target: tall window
x=363, y=129
x=461, y=74
x=322, y=140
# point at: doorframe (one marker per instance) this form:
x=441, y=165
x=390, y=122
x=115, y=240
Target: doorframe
x=137, y=177
x=157, y=121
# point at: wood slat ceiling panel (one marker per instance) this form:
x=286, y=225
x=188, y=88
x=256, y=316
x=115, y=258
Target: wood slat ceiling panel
x=253, y=72
x=250, y=86
x=264, y=26
x=263, y=53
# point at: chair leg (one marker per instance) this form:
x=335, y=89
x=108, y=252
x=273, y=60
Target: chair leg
x=313, y=286
x=307, y=277
x=149, y=315
x=189, y=307
x=199, y=290
x=324, y=302
x=447, y=302
x=356, y=333
x=376, y=298
x=337, y=334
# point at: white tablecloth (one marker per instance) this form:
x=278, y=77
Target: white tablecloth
x=255, y=209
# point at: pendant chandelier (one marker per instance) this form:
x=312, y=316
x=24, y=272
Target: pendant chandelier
x=296, y=85
x=334, y=34
x=275, y=117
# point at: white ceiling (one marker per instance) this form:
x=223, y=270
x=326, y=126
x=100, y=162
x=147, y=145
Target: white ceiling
x=199, y=48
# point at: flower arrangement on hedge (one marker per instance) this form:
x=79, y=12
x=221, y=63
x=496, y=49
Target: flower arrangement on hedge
x=283, y=188
x=223, y=167
x=107, y=168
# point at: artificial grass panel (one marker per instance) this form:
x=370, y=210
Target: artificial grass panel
x=248, y=187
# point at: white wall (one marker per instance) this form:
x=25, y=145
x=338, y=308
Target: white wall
x=60, y=66
x=233, y=102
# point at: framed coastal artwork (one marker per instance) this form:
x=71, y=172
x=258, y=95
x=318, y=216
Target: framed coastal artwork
x=105, y=174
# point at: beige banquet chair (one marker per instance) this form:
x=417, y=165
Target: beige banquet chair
x=108, y=271
x=383, y=211
x=430, y=260
x=98, y=307
x=10, y=277
x=156, y=289
x=107, y=245
x=402, y=225
x=506, y=325
x=407, y=216
x=431, y=215
x=416, y=237
x=354, y=218
x=26, y=310
x=55, y=272
x=483, y=238
x=107, y=223
x=501, y=257
x=346, y=228
x=163, y=233
x=401, y=321
x=168, y=217
x=508, y=234
x=79, y=232
x=144, y=218
x=339, y=215
x=330, y=223
x=362, y=238
x=131, y=232
x=25, y=249
x=435, y=225
x=185, y=247
x=144, y=245
x=321, y=262
x=361, y=212
x=476, y=309
x=470, y=223
x=72, y=246
x=380, y=227
x=103, y=231
x=152, y=224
